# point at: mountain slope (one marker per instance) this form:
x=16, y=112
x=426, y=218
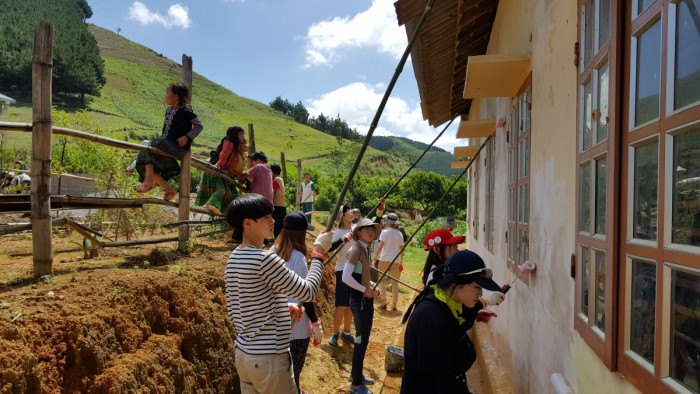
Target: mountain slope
x=436, y=160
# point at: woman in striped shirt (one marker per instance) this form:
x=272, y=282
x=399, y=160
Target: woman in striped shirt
x=257, y=286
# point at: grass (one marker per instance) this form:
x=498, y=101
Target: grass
x=413, y=261
x=131, y=103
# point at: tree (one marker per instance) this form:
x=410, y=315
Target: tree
x=299, y=113
x=424, y=188
x=78, y=67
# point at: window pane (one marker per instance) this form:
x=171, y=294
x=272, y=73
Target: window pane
x=511, y=205
x=526, y=157
x=587, y=117
x=646, y=184
x=686, y=189
x=524, y=247
x=526, y=203
x=600, y=290
x=648, y=75
x=585, y=269
x=643, y=313
x=643, y=5
x=687, y=72
x=601, y=176
x=587, y=33
x=603, y=100
x=685, y=329
x=604, y=23
x=584, y=198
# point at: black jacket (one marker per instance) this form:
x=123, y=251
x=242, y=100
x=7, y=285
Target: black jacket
x=437, y=350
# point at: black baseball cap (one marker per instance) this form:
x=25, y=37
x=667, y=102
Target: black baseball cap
x=466, y=262
x=297, y=221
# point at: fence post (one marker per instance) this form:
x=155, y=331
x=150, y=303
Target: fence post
x=40, y=186
x=251, y=139
x=183, y=212
x=284, y=168
x=298, y=185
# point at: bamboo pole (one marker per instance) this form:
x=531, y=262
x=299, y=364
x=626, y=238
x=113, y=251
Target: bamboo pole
x=193, y=223
x=251, y=139
x=24, y=227
x=84, y=233
x=183, y=212
x=298, y=193
x=159, y=240
x=284, y=168
x=40, y=187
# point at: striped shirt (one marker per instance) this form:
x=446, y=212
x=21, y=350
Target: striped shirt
x=257, y=286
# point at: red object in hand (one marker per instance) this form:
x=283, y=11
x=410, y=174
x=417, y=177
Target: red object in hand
x=400, y=268
x=485, y=316
x=295, y=312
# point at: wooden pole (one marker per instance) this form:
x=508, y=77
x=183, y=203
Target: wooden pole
x=251, y=139
x=297, y=205
x=284, y=168
x=40, y=186
x=185, y=164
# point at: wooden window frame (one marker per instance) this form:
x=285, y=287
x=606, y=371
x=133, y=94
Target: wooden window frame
x=605, y=346
x=489, y=188
x=513, y=138
x=662, y=252
x=475, y=217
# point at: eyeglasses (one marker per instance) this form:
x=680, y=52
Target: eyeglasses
x=483, y=272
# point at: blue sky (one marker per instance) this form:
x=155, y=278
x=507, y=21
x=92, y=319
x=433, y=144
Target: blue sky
x=337, y=57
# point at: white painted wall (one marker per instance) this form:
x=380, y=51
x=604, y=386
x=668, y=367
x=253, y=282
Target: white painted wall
x=534, y=330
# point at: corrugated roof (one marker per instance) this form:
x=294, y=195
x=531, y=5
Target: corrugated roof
x=453, y=31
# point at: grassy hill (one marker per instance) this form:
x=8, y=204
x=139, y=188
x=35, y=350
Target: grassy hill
x=131, y=107
x=436, y=160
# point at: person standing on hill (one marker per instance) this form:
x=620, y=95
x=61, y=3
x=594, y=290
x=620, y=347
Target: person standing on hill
x=215, y=194
x=180, y=127
x=390, y=244
x=308, y=196
x=278, y=198
x=257, y=286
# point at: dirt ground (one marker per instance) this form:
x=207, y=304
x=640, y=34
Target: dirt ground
x=149, y=319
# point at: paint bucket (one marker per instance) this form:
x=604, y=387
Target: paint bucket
x=393, y=359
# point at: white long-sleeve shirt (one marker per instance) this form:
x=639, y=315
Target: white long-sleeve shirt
x=257, y=286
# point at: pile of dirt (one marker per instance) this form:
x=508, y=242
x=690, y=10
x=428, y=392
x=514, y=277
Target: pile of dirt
x=117, y=330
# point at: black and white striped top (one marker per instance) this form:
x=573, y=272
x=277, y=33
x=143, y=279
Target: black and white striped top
x=257, y=286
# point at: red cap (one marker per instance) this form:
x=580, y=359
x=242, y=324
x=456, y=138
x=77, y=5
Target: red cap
x=441, y=237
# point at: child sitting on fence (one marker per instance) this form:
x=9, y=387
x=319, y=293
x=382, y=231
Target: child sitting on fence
x=257, y=286
x=180, y=127
x=215, y=194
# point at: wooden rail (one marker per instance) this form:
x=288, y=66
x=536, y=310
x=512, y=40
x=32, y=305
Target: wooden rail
x=40, y=199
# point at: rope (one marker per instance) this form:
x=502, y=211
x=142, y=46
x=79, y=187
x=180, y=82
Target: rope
x=378, y=115
x=434, y=208
x=391, y=189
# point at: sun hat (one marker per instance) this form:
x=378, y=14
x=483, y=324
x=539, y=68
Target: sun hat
x=364, y=222
x=441, y=237
x=297, y=221
x=450, y=222
x=392, y=218
x=466, y=262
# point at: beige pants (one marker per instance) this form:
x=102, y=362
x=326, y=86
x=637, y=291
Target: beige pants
x=269, y=373
x=394, y=284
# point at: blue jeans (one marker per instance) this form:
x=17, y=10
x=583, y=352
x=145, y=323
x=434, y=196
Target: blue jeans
x=363, y=313
x=307, y=207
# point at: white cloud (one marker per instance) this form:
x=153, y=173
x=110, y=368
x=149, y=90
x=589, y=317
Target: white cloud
x=178, y=16
x=375, y=28
x=357, y=104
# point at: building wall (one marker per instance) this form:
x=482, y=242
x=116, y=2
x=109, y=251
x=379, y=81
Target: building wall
x=534, y=330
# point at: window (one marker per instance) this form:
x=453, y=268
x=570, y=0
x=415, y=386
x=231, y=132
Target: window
x=518, y=141
x=659, y=333
x=489, y=166
x=638, y=211
x=474, y=183
x=596, y=161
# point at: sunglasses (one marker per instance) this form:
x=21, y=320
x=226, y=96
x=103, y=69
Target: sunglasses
x=486, y=273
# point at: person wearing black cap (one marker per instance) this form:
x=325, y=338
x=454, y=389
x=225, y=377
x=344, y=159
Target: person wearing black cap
x=291, y=247
x=437, y=350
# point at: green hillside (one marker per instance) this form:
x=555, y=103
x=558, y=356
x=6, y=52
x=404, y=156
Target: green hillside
x=436, y=160
x=131, y=107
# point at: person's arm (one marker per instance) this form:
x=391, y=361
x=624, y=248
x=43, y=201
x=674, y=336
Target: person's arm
x=313, y=191
x=197, y=128
x=349, y=280
x=379, y=251
x=310, y=311
x=285, y=281
x=252, y=173
x=225, y=154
